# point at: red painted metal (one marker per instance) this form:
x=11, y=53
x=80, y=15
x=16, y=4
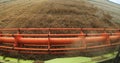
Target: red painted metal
x=52, y=43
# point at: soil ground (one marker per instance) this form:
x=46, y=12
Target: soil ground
x=112, y=8
x=53, y=13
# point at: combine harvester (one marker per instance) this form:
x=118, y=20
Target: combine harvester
x=57, y=40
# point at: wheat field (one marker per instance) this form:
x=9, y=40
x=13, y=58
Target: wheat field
x=52, y=13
